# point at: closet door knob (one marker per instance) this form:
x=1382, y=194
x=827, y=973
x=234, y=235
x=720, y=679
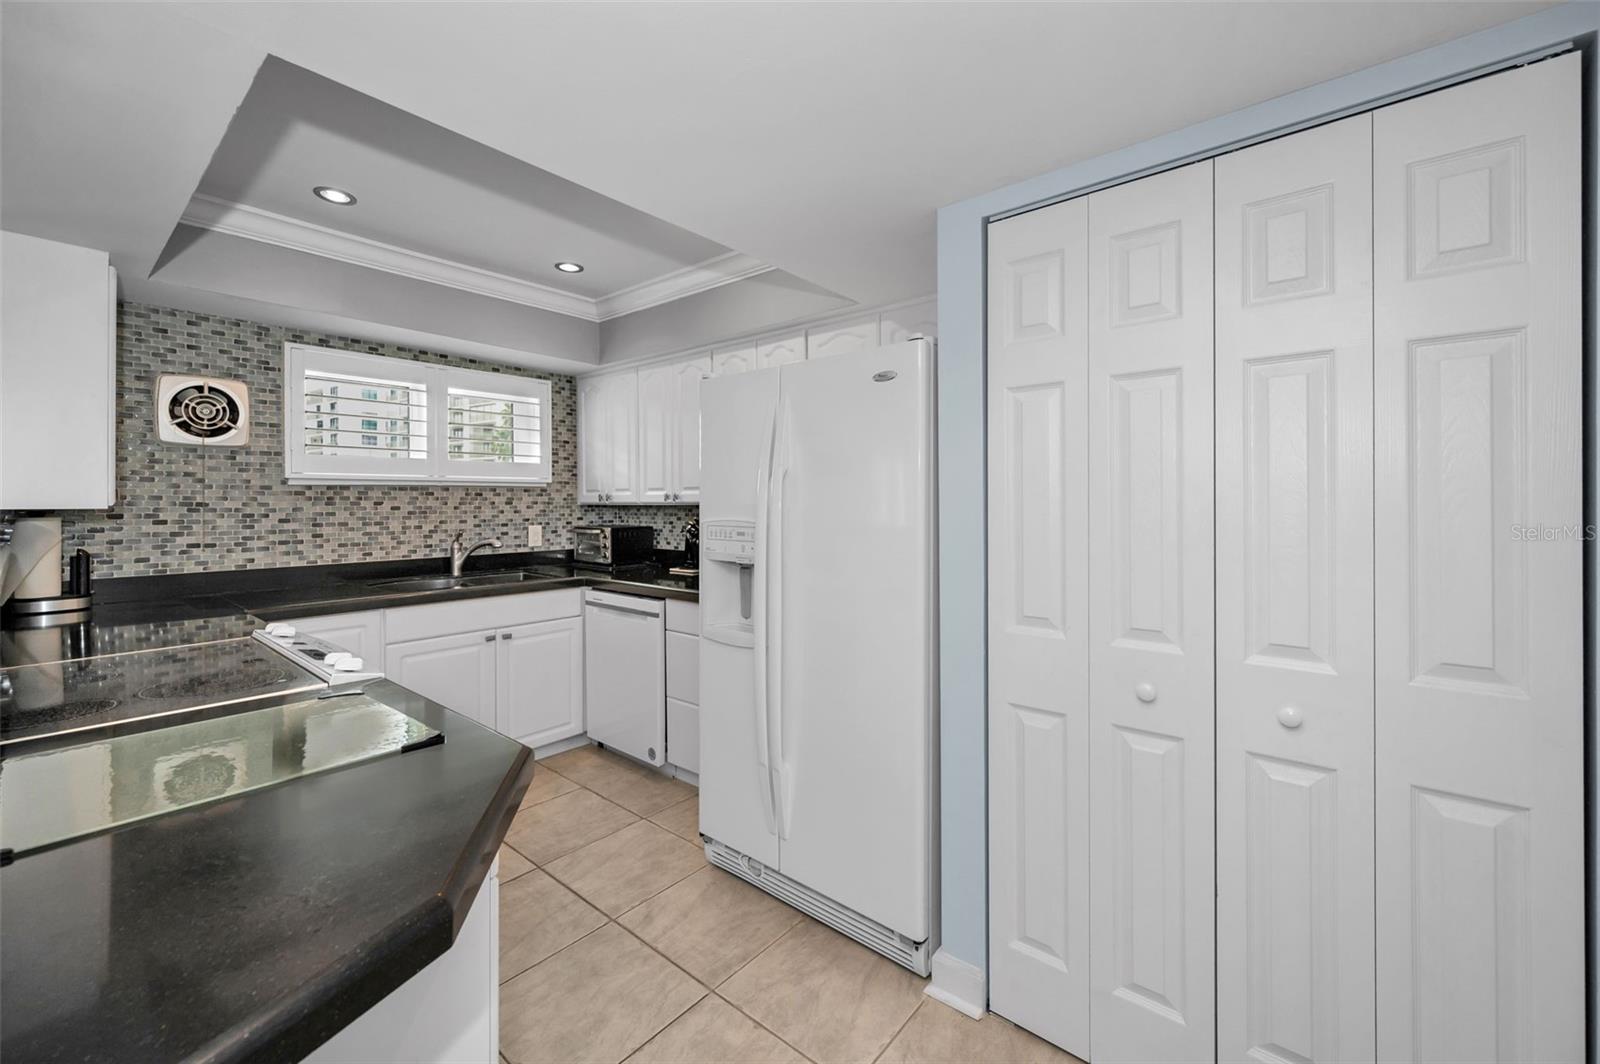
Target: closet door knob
x=1146, y=692
x=1291, y=717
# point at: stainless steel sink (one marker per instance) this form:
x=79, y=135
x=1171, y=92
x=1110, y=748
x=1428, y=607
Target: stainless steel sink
x=495, y=578
x=422, y=583
x=445, y=583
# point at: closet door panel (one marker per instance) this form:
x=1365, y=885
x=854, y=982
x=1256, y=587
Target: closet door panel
x=1294, y=598
x=1038, y=610
x=1480, y=844
x=1151, y=737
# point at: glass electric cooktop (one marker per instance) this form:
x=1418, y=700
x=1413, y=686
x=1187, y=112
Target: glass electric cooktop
x=37, y=701
x=60, y=793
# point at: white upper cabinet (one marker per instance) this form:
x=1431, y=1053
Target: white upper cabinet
x=657, y=432
x=733, y=360
x=669, y=430
x=58, y=370
x=686, y=380
x=608, y=438
x=842, y=338
x=781, y=351
x=909, y=322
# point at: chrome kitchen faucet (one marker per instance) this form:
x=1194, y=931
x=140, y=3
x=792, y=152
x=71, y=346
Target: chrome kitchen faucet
x=459, y=554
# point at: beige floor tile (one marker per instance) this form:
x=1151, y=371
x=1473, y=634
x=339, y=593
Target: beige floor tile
x=938, y=1034
x=547, y=784
x=682, y=819
x=622, y=870
x=830, y=998
x=538, y=917
x=711, y=923
x=543, y=832
x=597, y=1000
x=714, y=1032
x=631, y=785
x=512, y=864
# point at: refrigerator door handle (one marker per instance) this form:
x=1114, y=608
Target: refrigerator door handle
x=758, y=619
x=782, y=782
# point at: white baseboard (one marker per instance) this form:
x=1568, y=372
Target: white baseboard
x=958, y=984
x=560, y=746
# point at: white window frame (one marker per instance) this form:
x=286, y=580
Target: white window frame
x=302, y=468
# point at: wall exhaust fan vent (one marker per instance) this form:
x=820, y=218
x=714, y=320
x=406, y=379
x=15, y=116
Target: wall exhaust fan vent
x=202, y=410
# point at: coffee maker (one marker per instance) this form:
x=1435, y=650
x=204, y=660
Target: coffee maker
x=691, y=549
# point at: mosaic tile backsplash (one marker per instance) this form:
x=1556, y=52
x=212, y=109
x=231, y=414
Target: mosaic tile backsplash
x=187, y=509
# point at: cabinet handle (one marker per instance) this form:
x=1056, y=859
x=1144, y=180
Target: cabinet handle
x=489, y=638
x=505, y=635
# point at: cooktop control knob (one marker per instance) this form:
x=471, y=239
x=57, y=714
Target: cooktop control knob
x=348, y=664
x=337, y=656
x=281, y=630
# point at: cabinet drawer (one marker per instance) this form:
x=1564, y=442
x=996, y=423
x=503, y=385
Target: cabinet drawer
x=683, y=617
x=683, y=667
x=683, y=735
x=472, y=615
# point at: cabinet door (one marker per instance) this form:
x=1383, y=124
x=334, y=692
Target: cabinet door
x=658, y=436
x=359, y=633
x=1152, y=848
x=541, y=681
x=842, y=339
x=1294, y=598
x=686, y=378
x=1480, y=623
x=58, y=324
x=781, y=352
x=593, y=443
x=1038, y=622
x=733, y=360
x=621, y=421
x=456, y=671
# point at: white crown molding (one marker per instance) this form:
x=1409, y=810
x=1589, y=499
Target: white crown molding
x=266, y=227
x=691, y=280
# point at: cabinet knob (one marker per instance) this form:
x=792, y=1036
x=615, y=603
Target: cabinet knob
x=1291, y=717
x=1145, y=692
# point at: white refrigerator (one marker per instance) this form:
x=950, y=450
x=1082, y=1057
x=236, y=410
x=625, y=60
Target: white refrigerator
x=817, y=652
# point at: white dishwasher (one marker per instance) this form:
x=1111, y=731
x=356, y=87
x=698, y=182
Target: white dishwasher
x=625, y=673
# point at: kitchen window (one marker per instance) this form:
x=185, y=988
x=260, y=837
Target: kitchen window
x=439, y=423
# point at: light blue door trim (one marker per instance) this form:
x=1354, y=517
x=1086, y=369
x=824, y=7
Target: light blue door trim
x=962, y=592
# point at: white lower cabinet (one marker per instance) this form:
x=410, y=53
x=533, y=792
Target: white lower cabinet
x=540, y=681
x=518, y=668
x=683, y=685
x=1336, y=814
x=456, y=671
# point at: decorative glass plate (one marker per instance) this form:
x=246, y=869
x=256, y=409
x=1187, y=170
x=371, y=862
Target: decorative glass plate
x=58, y=795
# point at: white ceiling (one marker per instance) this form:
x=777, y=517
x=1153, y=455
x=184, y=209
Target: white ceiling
x=818, y=138
x=422, y=187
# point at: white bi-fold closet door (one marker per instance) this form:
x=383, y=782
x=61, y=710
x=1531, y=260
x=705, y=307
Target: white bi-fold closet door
x=1294, y=597
x=1396, y=856
x=1101, y=716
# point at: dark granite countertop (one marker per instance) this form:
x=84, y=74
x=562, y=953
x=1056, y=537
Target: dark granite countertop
x=256, y=927
x=143, y=613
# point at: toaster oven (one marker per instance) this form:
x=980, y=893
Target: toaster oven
x=612, y=546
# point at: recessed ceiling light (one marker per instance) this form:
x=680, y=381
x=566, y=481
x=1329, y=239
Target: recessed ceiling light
x=334, y=195
x=569, y=267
